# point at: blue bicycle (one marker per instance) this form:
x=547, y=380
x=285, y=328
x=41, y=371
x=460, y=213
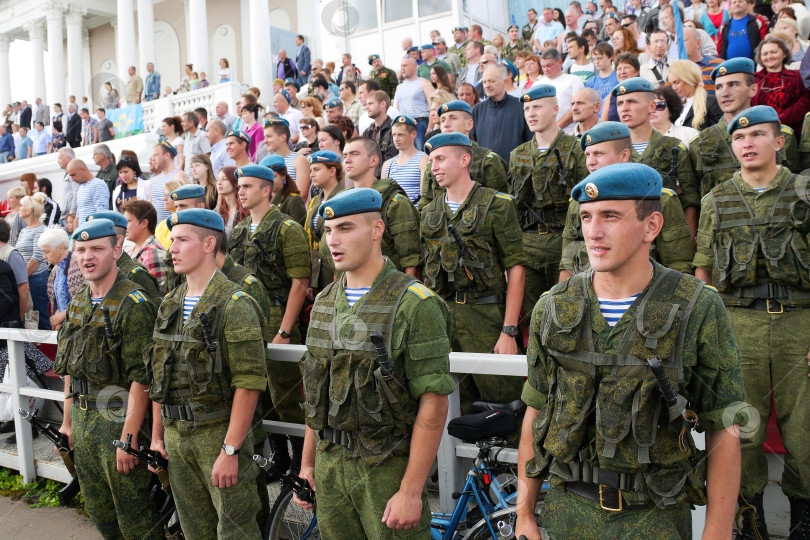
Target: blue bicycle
x=485, y=507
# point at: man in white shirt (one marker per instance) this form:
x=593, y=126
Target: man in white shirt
x=194, y=140
x=656, y=68
x=282, y=102
x=566, y=85
x=216, y=138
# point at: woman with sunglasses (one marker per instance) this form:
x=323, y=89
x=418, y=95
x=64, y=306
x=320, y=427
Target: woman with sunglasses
x=668, y=107
x=308, y=142
x=779, y=87
x=311, y=107
x=700, y=109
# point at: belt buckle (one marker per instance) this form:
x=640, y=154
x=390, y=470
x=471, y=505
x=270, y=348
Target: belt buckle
x=602, y=503
x=781, y=307
x=83, y=405
x=542, y=228
x=464, y=296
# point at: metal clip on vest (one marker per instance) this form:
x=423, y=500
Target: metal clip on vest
x=462, y=248
x=382, y=355
x=562, y=172
x=677, y=404
x=211, y=344
x=108, y=327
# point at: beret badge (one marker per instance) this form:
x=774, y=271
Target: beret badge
x=722, y=71
x=174, y=219
x=744, y=121
x=591, y=190
x=85, y=235
x=328, y=212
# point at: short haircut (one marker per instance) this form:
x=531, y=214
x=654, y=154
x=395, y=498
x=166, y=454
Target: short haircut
x=629, y=59
x=588, y=33
x=192, y=117
x=250, y=98
x=646, y=207
x=379, y=96
x=372, y=148
x=371, y=86
x=5, y=231
x=280, y=129
x=581, y=42
x=478, y=45
x=350, y=85
x=203, y=232
x=104, y=150
x=656, y=31
x=299, y=36
x=550, y=54
x=320, y=83
x=604, y=48
x=630, y=16
x=219, y=125
x=202, y=112
x=142, y=210
x=52, y=238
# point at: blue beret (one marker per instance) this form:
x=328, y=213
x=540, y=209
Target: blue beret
x=735, y=65
x=117, y=218
x=97, y=228
x=239, y=134
x=622, y=181
x=513, y=26
x=188, y=191
x=538, y=91
x=428, y=46
x=413, y=49
x=634, y=84
x=334, y=102
x=168, y=146
x=460, y=29
x=604, y=131
x=275, y=120
x=611, y=16
x=510, y=66
x=255, y=171
x=450, y=106
x=350, y=202
x=323, y=156
x=290, y=80
x=446, y=139
x=199, y=217
x=759, y=114
x=274, y=162
x=286, y=95
x=372, y=58
x=402, y=119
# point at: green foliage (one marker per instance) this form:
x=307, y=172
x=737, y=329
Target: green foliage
x=39, y=494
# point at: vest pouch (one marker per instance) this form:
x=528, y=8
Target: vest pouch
x=567, y=429
x=316, y=393
x=614, y=418
x=665, y=486
x=801, y=251
x=540, y=181
x=744, y=246
x=778, y=255
x=432, y=261
x=538, y=465
x=375, y=419
x=91, y=353
x=199, y=363
x=449, y=251
x=562, y=331
x=342, y=409
x=721, y=247
x=159, y=360
x=522, y=174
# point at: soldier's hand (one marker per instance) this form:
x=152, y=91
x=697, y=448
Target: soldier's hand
x=66, y=429
x=506, y=345
x=226, y=469
x=278, y=340
x=403, y=511
x=526, y=527
x=124, y=463
x=308, y=474
x=158, y=446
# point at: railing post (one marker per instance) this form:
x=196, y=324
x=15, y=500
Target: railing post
x=25, y=442
x=451, y=473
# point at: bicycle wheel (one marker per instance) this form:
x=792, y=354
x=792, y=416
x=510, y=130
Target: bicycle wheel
x=288, y=521
x=503, y=522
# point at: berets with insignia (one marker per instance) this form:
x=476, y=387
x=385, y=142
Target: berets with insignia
x=758, y=114
x=372, y=58
x=735, y=65
x=538, y=91
x=450, y=106
x=633, y=85
x=446, y=139
x=200, y=217
x=402, y=119
x=604, y=131
x=513, y=26
x=168, y=146
x=332, y=103
x=413, y=49
x=286, y=95
x=188, y=191
x=239, y=134
x=323, y=156
x=274, y=162
x=350, y=202
x=510, y=66
x=619, y=182
x=275, y=120
x=254, y=171
x=460, y=29
x=97, y=228
x=117, y=218
x=427, y=46
x=290, y=80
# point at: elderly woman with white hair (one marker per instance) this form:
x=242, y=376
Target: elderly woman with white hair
x=788, y=30
x=65, y=279
x=31, y=209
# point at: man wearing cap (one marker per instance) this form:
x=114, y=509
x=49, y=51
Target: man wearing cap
x=386, y=78
x=183, y=198
x=277, y=141
x=635, y=102
x=606, y=144
x=752, y=246
x=237, y=146
x=529, y=28
x=333, y=109
x=487, y=168
x=460, y=43
x=206, y=371
x=108, y=326
x=711, y=151
x=369, y=470
x=292, y=87
x=542, y=172
x=429, y=60
x=484, y=285
x=450, y=58
x=513, y=71
x=513, y=44
x=620, y=464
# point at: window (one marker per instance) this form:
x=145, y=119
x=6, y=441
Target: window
x=396, y=10
x=431, y=7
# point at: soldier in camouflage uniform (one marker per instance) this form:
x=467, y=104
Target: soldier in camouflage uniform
x=753, y=246
x=373, y=428
x=487, y=167
x=207, y=370
x=635, y=102
x=621, y=464
x=385, y=77
x=105, y=386
x=711, y=150
x=460, y=43
x=287, y=201
x=543, y=171
x=511, y=47
x=608, y=143
x=482, y=281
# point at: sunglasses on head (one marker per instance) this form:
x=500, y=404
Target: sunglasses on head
x=660, y=105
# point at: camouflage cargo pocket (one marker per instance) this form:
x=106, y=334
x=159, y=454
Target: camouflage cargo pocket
x=342, y=410
x=567, y=428
x=375, y=420
x=316, y=375
x=779, y=255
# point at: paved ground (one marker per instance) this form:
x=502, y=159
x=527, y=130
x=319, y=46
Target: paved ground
x=18, y=520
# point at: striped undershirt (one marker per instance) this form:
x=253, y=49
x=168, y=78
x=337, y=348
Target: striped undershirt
x=760, y=189
x=96, y=301
x=188, y=306
x=641, y=147
x=353, y=295
x=253, y=227
x=613, y=309
x=454, y=206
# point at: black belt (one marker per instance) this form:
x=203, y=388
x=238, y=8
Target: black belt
x=609, y=499
x=542, y=228
x=336, y=436
x=770, y=305
x=463, y=297
x=91, y=404
x=421, y=118
x=177, y=412
x=79, y=386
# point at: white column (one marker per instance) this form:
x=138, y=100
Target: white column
x=76, y=80
x=36, y=33
x=261, y=60
x=5, y=75
x=125, y=39
x=146, y=35
x=198, y=36
x=88, y=71
x=56, y=59
x=188, y=31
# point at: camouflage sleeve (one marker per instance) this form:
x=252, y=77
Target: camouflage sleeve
x=243, y=343
x=295, y=208
x=295, y=250
x=256, y=290
x=694, y=155
x=505, y=229
x=393, y=82
x=426, y=189
x=804, y=144
x=578, y=170
x=496, y=173
x=420, y=344
x=716, y=380
x=569, y=234
x=135, y=329
x=60, y=361
x=674, y=244
x=790, y=152
x=535, y=389
x=704, y=258
x=690, y=187
x=402, y=221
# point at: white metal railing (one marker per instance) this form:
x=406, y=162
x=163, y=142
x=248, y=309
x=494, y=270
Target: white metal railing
x=156, y=110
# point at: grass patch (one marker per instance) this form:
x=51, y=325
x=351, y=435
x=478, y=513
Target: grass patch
x=43, y=493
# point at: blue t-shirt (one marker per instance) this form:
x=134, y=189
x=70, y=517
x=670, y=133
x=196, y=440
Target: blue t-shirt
x=739, y=45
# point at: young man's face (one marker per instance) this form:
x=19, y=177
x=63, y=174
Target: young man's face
x=374, y=108
x=403, y=137
x=602, y=154
x=271, y=139
x=540, y=114
x=733, y=93
x=447, y=164
x=602, y=62
x=188, y=250
x=658, y=45
x=455, y=122
x=613, y=233
x=351, y=239
x=253, y=191
x=234, y=147
x=756, y=146
x=356, y=161
x=635, y=109
x=96, y=258
x=612, y=25
x=573, y=49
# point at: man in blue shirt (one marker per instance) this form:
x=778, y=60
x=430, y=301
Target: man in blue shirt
x=152, y=83
x=547, y=29
x=25, y=146
x=42, y=140
x=740, y=34
x=6, y=143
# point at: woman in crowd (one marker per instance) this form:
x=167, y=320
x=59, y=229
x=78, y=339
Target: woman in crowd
x=779, y=87
x=224, y=74
x=520, y=64
x=129, y=171
x=439, y=98
x=31, y=208
x=109, y=97
x=331, y=139
x=57, y=138
x=173, y=132
x=440, y=78
x=286, y=196
x=624, y=40
x=559, y=16
x=468, y=94
x=251, y=125
x=203, y=174
x=65, y=278
x=695, y=11
x=28, y=182
x=13, y=218
x=228, y=204
x=533, y=71
x=408, y=166
x=58, y=114
x=627, y=66
x=714, y=19
x=311, y=107
x=788, y=30
x=145, y=247
x=162, y=233
x=346, y=126
x=700, y=109
x=52, y=213
x=308, y=141
x=668, y=107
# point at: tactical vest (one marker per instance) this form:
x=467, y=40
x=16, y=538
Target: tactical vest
x=604, y=410
x=85, y=352
x=343, y=382
x=183, y=371
x=442, y=252
x=268, y=264
x=389, y=189
x=542, y=190
x=749, y=251
x=664, y=159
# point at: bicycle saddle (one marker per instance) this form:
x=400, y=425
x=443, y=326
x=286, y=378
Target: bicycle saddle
x=517, y=407
x=483, y=425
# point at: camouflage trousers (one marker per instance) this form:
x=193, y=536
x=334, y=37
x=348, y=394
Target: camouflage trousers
x=566, y=515
x=286, y=394
x=208, y=512
x=543, y=252
x=773, y=348
x=117, y=503
x=352, y=497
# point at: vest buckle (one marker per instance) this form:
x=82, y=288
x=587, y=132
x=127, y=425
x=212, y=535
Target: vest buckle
x=602, y=500
x=83, y=402
x=774, y=312
x=461, y=297
x=542, y=228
